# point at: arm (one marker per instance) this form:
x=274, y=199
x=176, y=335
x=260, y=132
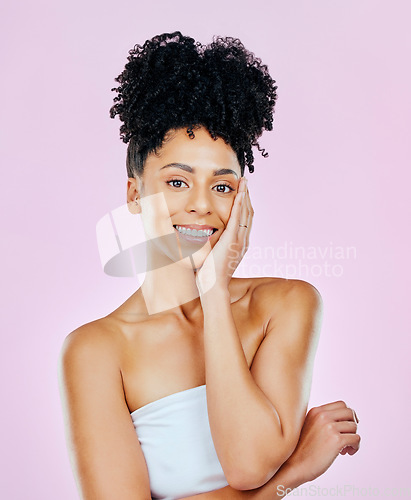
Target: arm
x=286, y=478
x=328, y=430
x=256, y=415
x=105, y=453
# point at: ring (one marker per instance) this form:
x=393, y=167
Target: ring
x=242, y=225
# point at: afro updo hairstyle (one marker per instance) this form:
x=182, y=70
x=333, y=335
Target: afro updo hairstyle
x=174, y=82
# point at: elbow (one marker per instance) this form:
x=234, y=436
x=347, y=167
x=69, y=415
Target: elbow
x=256, y=473
x=242, y=482
x=243, y=475
x=248, y=479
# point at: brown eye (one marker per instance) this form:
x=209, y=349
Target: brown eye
x=224, y=186
x=176, y=183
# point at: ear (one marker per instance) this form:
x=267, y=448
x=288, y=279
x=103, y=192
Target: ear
x=134, y=195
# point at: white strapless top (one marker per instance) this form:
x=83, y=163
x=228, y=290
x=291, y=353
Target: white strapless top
x=174, y=434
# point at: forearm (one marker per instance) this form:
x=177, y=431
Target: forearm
x=285, y=480
x=244, y=424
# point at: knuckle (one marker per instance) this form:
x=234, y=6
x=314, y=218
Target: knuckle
x=336, y=440
x=329, y=427
x=322, y=417
x=313, y=410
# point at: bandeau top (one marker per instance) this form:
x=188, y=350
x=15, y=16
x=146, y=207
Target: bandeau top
x=175, y=436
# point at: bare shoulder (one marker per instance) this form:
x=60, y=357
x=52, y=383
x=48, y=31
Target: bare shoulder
x=282, y=289
x=96, y=340
x=100, y=433
x=277, y=298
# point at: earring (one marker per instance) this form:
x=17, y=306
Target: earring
x=134, y=207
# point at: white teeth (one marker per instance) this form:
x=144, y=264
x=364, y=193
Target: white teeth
x=195, y=232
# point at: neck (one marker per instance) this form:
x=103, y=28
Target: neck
x=169, y=285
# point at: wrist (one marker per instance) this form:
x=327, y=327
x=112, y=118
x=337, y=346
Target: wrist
x=217, y=293
x=282, y=483
x=291, y=475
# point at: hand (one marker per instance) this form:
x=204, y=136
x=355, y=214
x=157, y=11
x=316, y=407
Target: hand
x=224, y=258
x=328, y=430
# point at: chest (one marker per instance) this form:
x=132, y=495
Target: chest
x=164, y=357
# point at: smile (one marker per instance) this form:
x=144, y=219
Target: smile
x=195, y=232
x=196, y=235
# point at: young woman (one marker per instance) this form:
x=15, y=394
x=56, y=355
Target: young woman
x=199, y=383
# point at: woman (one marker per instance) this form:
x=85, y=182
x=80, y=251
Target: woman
x=199, y=383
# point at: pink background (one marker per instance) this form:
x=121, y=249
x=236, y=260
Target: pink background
x=337, y=176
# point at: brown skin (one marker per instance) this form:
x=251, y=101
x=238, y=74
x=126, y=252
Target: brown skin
x=106, y=366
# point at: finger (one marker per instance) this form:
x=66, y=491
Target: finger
x=242, y=220
x=350, y=441
x=349, y=450
x=346, y=427
x=244, y=206
x=249, y=205
x=243, y=224
x=233, y=221
x=342, y=414
x=328, y=406
x=250, y=218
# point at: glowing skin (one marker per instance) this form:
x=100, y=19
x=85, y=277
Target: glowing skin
x=252, y=342
x=190, y=183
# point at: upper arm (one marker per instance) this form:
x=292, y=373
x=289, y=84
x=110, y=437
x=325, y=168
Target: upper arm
x=104, y=450
x=283, y=364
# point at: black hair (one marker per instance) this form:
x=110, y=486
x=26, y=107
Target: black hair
x=174, y=82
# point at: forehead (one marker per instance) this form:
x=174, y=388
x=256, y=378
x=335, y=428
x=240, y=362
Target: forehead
x=202, y=153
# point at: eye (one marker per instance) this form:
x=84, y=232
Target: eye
x=172, y=183
x=229, y=188
x=175, y=183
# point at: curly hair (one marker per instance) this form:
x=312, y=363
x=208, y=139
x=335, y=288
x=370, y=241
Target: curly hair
x=174, y=82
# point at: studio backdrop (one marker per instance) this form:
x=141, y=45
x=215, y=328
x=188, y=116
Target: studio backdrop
x=331, y=206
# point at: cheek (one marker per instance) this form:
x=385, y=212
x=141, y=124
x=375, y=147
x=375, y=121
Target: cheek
x=224, y=210
x=156, y=215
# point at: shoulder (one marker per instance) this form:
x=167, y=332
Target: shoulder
x=284, y=299
x=96, y=342
x=284, y=290
x=100, y=434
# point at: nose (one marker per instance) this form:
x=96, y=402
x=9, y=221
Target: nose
x=199, y=200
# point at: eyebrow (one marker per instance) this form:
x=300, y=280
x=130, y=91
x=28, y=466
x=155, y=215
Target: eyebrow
x=187, y=168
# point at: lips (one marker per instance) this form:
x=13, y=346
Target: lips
x=201, y=227
x=189, y=233
x=197, y=227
